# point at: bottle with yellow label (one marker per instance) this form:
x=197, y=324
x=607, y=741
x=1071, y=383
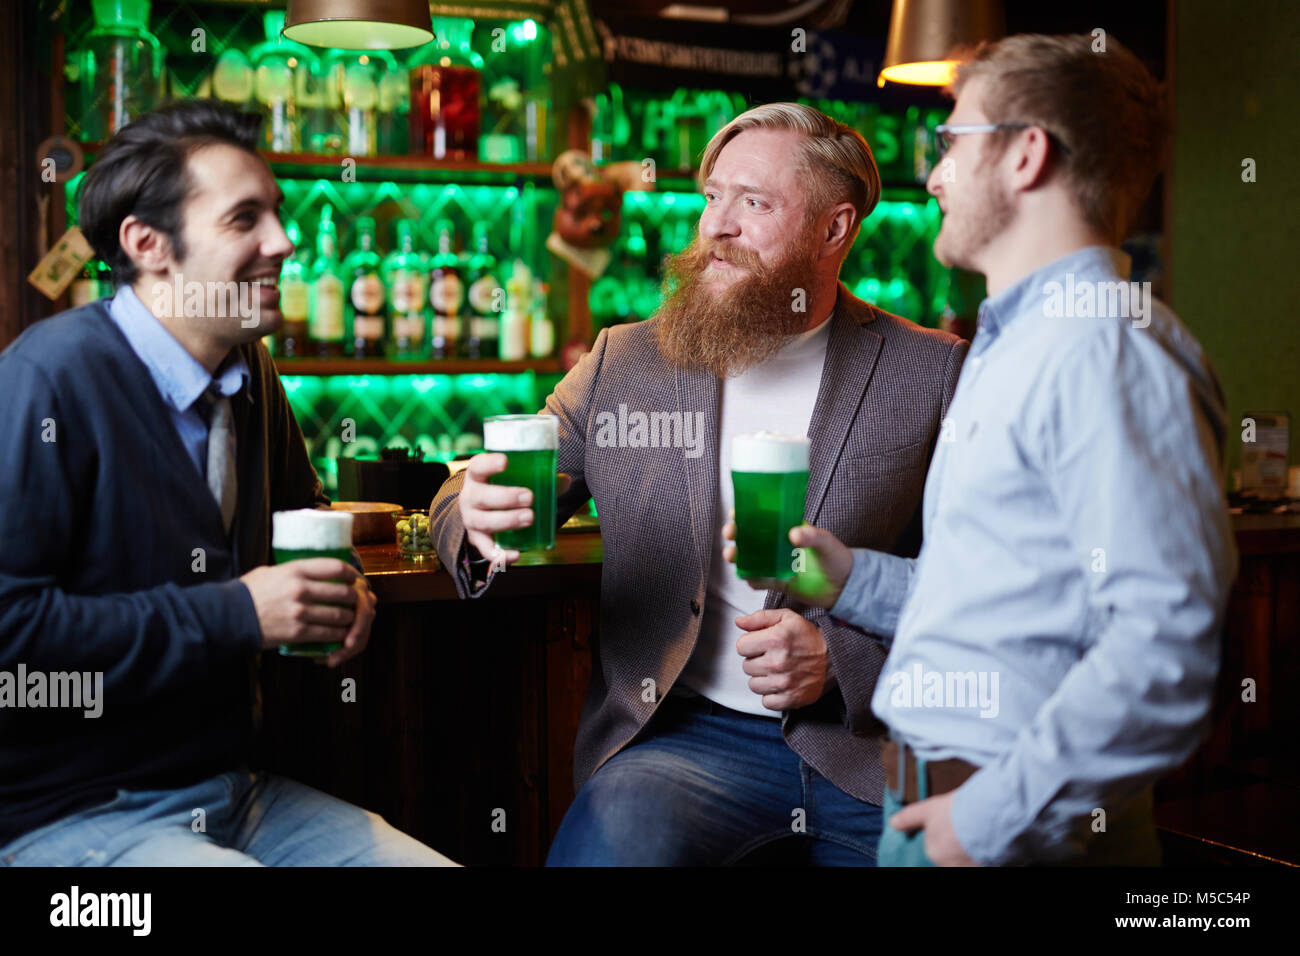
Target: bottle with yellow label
x=404, y=274
x=325, y=320
x=295, y=287
x=481, y=332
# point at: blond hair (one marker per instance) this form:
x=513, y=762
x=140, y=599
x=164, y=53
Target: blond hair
x=1105, y=108
x=834, y=158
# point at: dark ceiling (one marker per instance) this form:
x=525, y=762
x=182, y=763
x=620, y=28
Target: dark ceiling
x=1138, y=24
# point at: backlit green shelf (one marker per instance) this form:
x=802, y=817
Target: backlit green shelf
x=395, y=168
x=346, y=366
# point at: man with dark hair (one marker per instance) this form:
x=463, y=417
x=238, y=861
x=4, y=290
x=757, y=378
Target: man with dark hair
x=145, y=448
x=1055, y=645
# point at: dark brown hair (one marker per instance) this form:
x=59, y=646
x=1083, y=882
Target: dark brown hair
x=142, y=171
x=1101, y=104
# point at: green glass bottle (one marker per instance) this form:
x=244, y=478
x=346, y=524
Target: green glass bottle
x=365, y=336
x=404, y=275
x=353, y=78
x=446, y=293
x=295, y=296
x=282, y=70
x=482, y=330
x=639, y=275
x=325, y=320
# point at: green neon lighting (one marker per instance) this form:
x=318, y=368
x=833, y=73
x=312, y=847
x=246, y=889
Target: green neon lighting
x=442, y=415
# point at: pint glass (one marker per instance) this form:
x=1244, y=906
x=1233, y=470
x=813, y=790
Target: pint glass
x=769, y=474
x=529, y=443
x=311, y=533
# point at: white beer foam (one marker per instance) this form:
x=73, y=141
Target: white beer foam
x=768, y=452
x=521, y=433
x=311, y=529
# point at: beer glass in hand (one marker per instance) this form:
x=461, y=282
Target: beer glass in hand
x=821, y=573
x=530, y=444
x=769, y=475
x=311, y=533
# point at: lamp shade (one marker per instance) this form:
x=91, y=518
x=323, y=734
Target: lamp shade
x=359, y=24
x=922, y=33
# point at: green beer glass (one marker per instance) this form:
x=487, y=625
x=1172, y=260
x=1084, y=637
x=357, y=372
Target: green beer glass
x=311, y=533
x=769, y=475
x=529, y=443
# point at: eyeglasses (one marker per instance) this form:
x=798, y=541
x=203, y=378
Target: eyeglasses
x=944, y=131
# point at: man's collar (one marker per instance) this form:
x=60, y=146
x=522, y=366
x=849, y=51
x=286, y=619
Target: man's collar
x=1028, y=294
x=179, y=376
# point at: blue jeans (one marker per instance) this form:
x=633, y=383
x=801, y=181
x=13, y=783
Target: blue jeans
x=710, y=786
x=232, y=819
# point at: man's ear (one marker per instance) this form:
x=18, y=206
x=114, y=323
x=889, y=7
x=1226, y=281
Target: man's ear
x=1031, y=159
x=147, y=247
x=839, y=230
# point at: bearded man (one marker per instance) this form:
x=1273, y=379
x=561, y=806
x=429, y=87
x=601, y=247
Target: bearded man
x=724, y=723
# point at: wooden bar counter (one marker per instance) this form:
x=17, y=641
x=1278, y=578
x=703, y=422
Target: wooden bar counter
x=460, y=731
x=457, y=723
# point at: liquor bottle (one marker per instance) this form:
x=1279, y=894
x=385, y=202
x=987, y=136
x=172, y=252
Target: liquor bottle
x=404, y=274
x=541, y=331
x=394, y=110
x=295, y=295
x=444, y=100
x=639, y=286
x=282, y=71
x=118, y=69
x=643, y=291
x=446, y=293
x=365, y=308
x=233, y=78
x=354, y=76
x=514, y=321
x=325, y=321
x=486, y=300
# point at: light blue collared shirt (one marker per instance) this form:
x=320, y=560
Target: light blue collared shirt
x=1060, y=627
x=179, y=376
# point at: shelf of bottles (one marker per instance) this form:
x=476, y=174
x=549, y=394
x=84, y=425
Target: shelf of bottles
x=421, y=298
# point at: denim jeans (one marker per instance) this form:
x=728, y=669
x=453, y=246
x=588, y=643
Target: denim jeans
x=232, y=819
x=710, y=786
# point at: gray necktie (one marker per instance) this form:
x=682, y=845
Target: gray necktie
x=222, y=480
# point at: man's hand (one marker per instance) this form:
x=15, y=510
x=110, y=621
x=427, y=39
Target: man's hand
x=827, y=565
x=358, y=635
x=785, y=657
x=486, y=508
x=299, y=600
x=934, y=816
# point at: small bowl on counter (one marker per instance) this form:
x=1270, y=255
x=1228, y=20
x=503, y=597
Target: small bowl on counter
x=413, y=538
x=372, y=521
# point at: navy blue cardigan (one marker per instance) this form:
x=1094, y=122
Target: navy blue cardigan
x=102, y=514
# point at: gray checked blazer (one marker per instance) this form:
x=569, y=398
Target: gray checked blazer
x=885, y=389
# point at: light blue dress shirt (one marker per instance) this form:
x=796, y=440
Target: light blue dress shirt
x=1060, y=627
x=179, y=376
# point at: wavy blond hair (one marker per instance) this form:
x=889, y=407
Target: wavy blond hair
x=834, y=158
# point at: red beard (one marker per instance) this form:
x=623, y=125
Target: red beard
x=724, y=328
